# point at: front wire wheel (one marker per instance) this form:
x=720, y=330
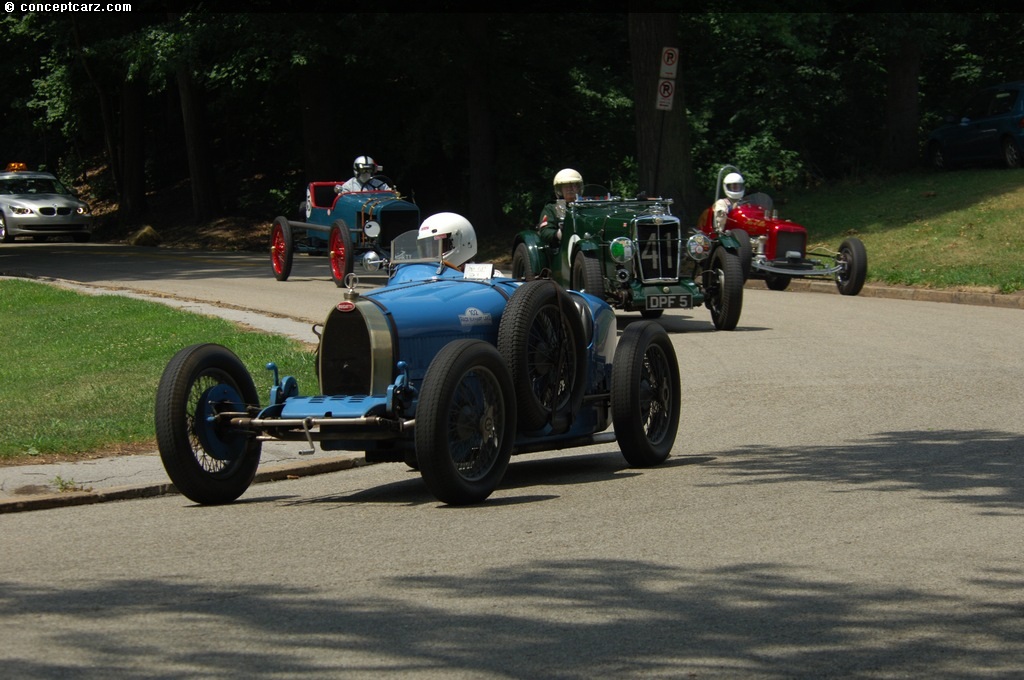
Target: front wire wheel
x=646, y=394
x=208, y=461
x=724, y=284
x=854, y=256
x=465, y=422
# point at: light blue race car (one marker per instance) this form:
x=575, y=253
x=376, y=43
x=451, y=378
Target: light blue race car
x=449, y=367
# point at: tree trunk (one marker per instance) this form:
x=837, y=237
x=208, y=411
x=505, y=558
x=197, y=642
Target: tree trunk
x=133, y=153
x=662, y=136
x=205, y=202
x=903, y=67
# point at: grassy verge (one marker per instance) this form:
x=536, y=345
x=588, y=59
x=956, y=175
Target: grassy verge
x=958, y=229
x=79, y=372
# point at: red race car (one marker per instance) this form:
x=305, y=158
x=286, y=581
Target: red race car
x=776, y=249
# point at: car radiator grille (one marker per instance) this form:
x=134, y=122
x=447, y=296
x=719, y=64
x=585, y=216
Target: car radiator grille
x=787, y=241
x=50, y=212
x=658, y=248
x=344, y=352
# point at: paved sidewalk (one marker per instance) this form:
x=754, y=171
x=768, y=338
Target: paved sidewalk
x=54, y=485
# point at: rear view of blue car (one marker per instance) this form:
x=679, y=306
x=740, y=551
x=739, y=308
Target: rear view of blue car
x=988, y=129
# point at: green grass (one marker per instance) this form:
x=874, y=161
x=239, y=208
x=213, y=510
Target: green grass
x=80, y=372
x=959, y=229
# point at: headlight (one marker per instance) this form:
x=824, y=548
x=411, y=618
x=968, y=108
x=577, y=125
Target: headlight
x=18, y=210
x=621, y=250
x=372, y=229
x=698, y=247
x=82, y=210
x=371, y=261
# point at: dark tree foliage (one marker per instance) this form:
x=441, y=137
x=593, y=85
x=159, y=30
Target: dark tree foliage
x=475, y=112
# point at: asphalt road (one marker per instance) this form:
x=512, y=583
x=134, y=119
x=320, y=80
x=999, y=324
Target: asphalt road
x=845, y=499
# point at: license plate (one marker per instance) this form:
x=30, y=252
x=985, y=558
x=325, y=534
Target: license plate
x=670, y=301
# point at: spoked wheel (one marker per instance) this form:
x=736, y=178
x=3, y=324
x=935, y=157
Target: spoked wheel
x=724, y=284
x=646, y=394
x=854, y=256
x=208, y=461
x=340, y=248
x=541, y=339
x=282, y=248
x=586, y=275
x=5, y=236
x=465, y=422
x=521, y=267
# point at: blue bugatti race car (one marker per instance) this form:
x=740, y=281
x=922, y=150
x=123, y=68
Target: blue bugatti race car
x=449, y=367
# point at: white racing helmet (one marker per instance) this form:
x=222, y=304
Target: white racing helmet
x=734, y=185
x=457, y=234
x=364, y=168
x=568, y=176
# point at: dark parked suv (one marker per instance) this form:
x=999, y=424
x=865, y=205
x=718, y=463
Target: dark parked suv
x=990, y=127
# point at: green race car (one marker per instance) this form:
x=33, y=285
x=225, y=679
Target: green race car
x=636, y=255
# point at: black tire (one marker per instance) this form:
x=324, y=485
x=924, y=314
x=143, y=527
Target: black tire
x=646, y=394
x=855, y=256
x=777, y=281
x=282, y=248
x=209, y=464
x=465, y=422
x=541, y=339
x=339, y=247
x=1011, y=154
x=651, y=313
x=521, y=267
x=724, y=288
x=5, y=235
x=746, y=251
x=586, y=275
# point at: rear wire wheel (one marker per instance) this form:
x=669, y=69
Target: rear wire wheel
x=208, y=461
x=465, y=422
x=282, y=248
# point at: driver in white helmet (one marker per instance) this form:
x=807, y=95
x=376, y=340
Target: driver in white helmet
x=568, y=186
x=734, y=188
x=456, y=233
x=364, y=168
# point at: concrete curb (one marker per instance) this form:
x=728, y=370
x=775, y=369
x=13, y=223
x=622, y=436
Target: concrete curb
x=272, y=473
x=982, y=299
